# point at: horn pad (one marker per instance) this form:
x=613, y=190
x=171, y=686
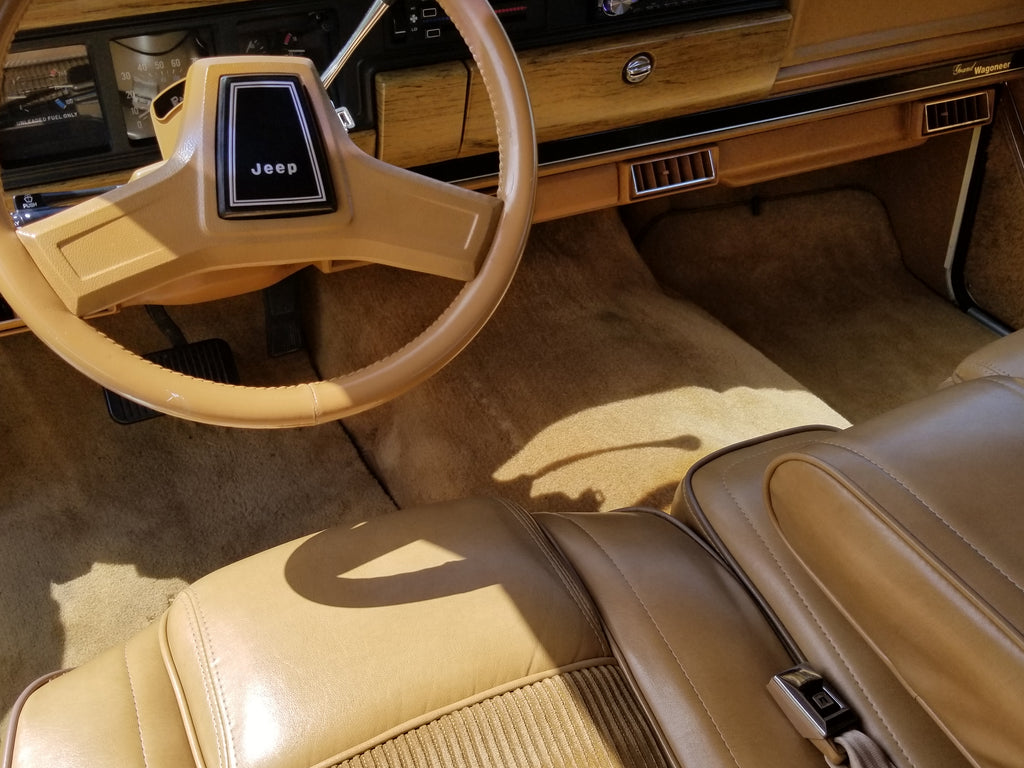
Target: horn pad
x=270, y=153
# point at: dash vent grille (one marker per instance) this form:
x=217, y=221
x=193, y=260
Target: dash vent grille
x=672, y=172
x=960, y=112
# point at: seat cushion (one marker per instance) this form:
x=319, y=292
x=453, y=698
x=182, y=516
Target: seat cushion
x=442, y=637
x=333, y=645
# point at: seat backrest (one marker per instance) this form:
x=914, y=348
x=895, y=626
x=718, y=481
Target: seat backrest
x=913, y=525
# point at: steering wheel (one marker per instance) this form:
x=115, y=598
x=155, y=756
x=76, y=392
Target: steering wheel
x=231, y=200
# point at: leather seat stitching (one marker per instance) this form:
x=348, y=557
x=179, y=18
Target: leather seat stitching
x=931, y=511
x=214, y=702
x=218, y=684
x=661, y=634
x=135, y=705
x=995, y=368
x=565, y=576
x=992, y=366
x=803, y=600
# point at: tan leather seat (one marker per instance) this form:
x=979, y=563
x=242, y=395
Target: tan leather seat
x=449, y=635
x=472, y=633
x=892, y=553
x=1002, y=357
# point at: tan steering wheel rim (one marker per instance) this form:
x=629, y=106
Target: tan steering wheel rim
x=116, y=368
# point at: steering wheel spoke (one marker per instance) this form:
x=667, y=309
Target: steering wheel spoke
x=406, y=220
x=101, y=252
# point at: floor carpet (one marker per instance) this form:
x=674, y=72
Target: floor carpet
x=589, y=389
x=815, y=282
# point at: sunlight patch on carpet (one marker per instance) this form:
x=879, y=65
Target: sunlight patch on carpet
x=628, y=452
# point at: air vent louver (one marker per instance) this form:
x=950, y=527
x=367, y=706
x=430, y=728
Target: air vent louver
x=961, y=112
x=666, y=174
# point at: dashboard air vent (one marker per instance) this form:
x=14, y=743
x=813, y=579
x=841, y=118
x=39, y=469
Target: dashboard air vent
x=959, y=112
x=672, y=172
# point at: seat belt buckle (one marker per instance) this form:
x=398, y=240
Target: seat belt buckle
x=814, y=707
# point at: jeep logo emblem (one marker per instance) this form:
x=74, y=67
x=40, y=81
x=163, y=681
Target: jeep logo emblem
x=271, y=160
x=270, y=169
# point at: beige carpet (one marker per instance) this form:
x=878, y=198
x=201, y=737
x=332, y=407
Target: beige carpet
x=815, y=282
x=588, y=390
x=103, y=524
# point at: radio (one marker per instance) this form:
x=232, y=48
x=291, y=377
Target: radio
x=425, y=20
x=531, y=23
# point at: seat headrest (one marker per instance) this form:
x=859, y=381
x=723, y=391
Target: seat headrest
x=913, y=524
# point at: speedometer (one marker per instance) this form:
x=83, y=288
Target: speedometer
x=147, y=64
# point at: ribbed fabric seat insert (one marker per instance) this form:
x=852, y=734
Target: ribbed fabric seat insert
x=587, y=717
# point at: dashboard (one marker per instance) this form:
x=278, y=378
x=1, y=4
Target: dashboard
x=77, y=91
x=76, y=98
x=632, y=99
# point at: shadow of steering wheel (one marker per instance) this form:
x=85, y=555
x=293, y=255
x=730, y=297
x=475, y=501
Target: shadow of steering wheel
x=416, y=556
